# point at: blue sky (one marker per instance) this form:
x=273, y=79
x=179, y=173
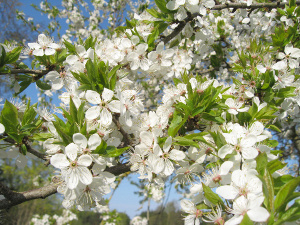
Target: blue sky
x=124, y=199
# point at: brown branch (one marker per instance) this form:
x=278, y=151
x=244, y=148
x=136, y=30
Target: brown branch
x=38, y=73
x=182, y=24
x=123, y=132
x=38, y=154
x=13, y=198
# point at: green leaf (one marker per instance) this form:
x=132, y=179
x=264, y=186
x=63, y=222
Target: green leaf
x=268, y=189
x=275, y=165
x=246, y=220
x=161, y=4
x=101, y=149
x=175, y=124
x=73, y=110
x=211, y=196
x=29, y=115
x=283, y=194
x=10, y=113
x=42, y=136
x=43, y=85
x=261, y=163
x=23, y=149
x=112, y=151
x=182, y=141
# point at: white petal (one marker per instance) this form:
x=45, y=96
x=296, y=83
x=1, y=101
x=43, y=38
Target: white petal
x=107, y=94
x=80, y=140
x=158, y=165
x=227, y=191
x=85, y=175
x=248, y=141
x=146, y=138
x=234, y=220
x=57, y=84
x=187, y=206
x=114, y=106
x=93, y=97
x=92, y=113
x=225, y=167
x=176, y=155
x=51, y=76
x=71, y=151
x=59, y=161
x=281, y=65
x=85, y=160
x=258, y=214
x=226, y=149
x=249, y=153
x=38, y=52
x=105, y=117
x=49, y=51
x=167, y=144
x=72, y=179
x=2, y=128
x=169, y=168
x=94, y=141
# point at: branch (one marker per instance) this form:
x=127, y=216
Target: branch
x=182, y=24
x=123, y=132
x=28, y=146
x=38, y=73
x=13, y=198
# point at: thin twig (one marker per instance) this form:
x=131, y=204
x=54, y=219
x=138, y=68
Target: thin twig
x=182, y=24
x=13, y=198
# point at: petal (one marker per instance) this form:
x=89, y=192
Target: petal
x=226, y=149
x=107, y=94
x=49, y=51
x=146, y=138
x=187, y=206
x=105, y=117
x=249, y=153
x=234, y=220
x=2, y=128
x=248, y=141
x=59, y=161
x=85, y=175
x=159, y=165
x=92, y=113
x=71, y=151
x=225, y=167
x=258, y=214
x=38, y=52
x=227, y=191
x=80, y=140
x=57, y=84
x=167, y=144
x=176, y=155
x=72, y=179
x=114, y=106
x=52, y=75
x=85, y=160
x=94, y=141
x=93, y=97
x=169, y=168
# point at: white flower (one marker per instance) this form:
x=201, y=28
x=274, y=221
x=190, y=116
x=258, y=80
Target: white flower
x=234, y=106
x=252, y=207
x=104, y=106
x=73, y=169
x=138, y=58
x=243, y=183
x=190, y=208
x=45, y=46
x=2, y=128
x=160, y=160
